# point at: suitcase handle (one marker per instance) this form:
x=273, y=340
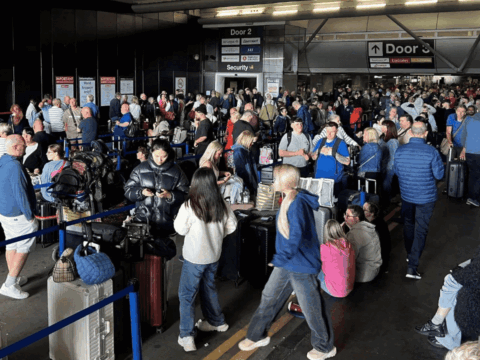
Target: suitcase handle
x=93, y=245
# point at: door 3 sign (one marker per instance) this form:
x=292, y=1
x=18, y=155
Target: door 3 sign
x=400, y=54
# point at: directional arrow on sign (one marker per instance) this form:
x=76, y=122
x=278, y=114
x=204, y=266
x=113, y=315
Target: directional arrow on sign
x=375, y=48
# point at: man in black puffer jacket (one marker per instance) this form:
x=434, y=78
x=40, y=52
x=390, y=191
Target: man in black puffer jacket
x=458, y=314
x=158, y=187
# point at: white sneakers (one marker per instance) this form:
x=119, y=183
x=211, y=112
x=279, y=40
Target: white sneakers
x=188, y=343
x=13, y=291
x=317, y=355
x=206, y=326
x=248, y=345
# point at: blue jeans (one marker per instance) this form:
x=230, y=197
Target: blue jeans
x=448, y=299
x=415, y=229
x=323, y=284
x=473, y=164
x=276, y=292
x=194, y=278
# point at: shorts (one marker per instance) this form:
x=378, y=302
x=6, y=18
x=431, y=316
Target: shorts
x=16, y=226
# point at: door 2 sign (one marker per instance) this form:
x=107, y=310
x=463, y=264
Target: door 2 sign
x=400, y=54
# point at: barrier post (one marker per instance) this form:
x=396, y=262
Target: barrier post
x=61, y=237
x=187, y=148
x=135, y=320
x=66, y=148
x=119, y=161
x=124, y=149
x=362, y=197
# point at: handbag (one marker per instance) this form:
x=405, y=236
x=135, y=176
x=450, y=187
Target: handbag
x=93, y=266
x=64, y=269
x=266, y=155
x=267, y=198
x=169, y=115
x=445, y=146
x=321, y=187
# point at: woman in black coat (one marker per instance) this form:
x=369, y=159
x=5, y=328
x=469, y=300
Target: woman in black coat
x=158, y=188
x=35, y=156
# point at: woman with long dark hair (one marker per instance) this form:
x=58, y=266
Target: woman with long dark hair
x=204, y=219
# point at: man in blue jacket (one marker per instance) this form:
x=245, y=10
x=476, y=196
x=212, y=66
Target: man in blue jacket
x=344, y=111
x=304, y=114
x=115, y=108
x=17, y=215
x=471, y=153
x=417, y=166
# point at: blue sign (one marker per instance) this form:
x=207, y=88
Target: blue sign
x=251, y=50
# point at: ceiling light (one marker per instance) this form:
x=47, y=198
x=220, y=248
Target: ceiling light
x=285, y=12
x=228, y=13
x=253, y=11
x=370, y=6
x=421, y=2
x=333, y=8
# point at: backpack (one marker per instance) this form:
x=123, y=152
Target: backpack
x=67, y=186
x=99, y=146
x=132, y=128
x=179, y=135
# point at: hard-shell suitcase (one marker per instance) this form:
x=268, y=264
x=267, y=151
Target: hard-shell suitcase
x=352, y=197
x=258, y=250
x=229, y=265
x=152, y=294
x=456, y=177
x=322, y=215
x=45, y=209
x=88, y=338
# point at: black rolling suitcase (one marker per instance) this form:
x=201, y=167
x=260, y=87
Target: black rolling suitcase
x=45, y=209
x=230, y=260
x=352, y=197
x=258, y=250
x=455, y=177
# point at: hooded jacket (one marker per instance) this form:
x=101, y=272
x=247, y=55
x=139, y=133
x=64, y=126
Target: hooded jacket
x=159, y=211
x=418, y=166
x=303, y=114
x=299, y=253
x=245, y=167
x=18, y=195
x=368, y=255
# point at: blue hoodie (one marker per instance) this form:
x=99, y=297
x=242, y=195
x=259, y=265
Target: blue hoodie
x=18, y=195
x=301, y=252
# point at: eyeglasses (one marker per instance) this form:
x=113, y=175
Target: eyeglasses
x=348, y=216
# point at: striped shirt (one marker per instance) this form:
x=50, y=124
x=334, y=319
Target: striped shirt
x=3, y=149
x=56, y=115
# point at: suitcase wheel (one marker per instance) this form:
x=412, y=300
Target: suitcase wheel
x=160, y=329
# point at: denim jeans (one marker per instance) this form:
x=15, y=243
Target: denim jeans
x=323, y=284
x=275, y=294
x=415, y=229
x=448, y=299
x=197, y=277
x=473, y=164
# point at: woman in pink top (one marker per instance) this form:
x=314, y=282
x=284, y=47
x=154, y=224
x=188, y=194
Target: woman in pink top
x=338, y=261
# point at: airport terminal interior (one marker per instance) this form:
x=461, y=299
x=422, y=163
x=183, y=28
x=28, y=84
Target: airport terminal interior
x=192, y=47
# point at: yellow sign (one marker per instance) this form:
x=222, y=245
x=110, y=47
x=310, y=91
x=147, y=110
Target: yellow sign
x=421, y=60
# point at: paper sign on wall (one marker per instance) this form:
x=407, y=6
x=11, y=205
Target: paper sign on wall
x=86, y=87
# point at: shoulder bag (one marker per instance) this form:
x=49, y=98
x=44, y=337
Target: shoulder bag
x=445, y=146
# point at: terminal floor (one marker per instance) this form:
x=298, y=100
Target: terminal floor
x=374, y=322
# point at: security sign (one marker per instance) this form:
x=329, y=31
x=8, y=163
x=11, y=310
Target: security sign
x=246, y=41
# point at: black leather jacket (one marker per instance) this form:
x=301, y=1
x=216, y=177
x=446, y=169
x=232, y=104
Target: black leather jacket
x=160, y=212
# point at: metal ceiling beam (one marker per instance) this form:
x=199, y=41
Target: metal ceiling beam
x=470, y=54
x=313, y=36
x=167, y=6
x=412, y=34
x=344, y=12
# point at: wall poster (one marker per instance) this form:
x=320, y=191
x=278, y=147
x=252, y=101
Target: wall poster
x=86, y=87
x=107, y=90
x=64, y=86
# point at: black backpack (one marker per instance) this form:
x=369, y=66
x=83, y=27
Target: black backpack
x=99, y=146
x=67, y=185
x=132, y=128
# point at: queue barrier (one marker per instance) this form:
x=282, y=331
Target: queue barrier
x=131, y=291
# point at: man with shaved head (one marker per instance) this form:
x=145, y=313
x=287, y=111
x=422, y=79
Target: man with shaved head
x=41, y=136
x=88, y=128
x=17, y=214
x=418, y=167
x=122, y=124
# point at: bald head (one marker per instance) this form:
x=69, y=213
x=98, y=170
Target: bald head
x=86, y=112
x=125, y=109
x=38, y=125
x=15, y=145
x=419, y=129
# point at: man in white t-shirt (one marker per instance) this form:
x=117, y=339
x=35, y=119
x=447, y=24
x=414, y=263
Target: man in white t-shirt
x=295, y=147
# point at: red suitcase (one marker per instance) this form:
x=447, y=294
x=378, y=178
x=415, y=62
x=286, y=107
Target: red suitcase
x=152, y=294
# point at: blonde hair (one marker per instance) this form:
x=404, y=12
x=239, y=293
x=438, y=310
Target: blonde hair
x=372, y=135
x=245, y=139
x=209, y=154
x=469, y=350
x=135, y=100
x=286, y=178
x=333, y=232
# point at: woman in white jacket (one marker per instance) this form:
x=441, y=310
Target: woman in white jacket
x=205, y=220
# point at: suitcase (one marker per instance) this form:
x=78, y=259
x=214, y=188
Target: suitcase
x=89, y=338
x=352, y=197
x=266, y=175
x=456, y=177
x=153, y=303
x=322, y=215
x=229, y=266
x=45, y=208
x=258, y=250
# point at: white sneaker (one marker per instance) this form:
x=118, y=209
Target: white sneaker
x=13, y=291
x=248, y=345
x=317, y=355
x=188, y=343
x=206, y=326
x=21, y=280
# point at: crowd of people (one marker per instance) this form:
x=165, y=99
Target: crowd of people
x=387, y=133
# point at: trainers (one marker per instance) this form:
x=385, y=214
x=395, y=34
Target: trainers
x=473, y=202
x=22, y=280
x=188, y=343
x=432, y=340
x=318, y=355
x=294, y=307
x=413, y=274
x=206, y=326
x=431, y=329
x=248, y=345
x=13, y=291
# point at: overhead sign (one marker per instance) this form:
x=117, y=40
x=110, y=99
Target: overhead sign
x=250, y=59
x=401, y=54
